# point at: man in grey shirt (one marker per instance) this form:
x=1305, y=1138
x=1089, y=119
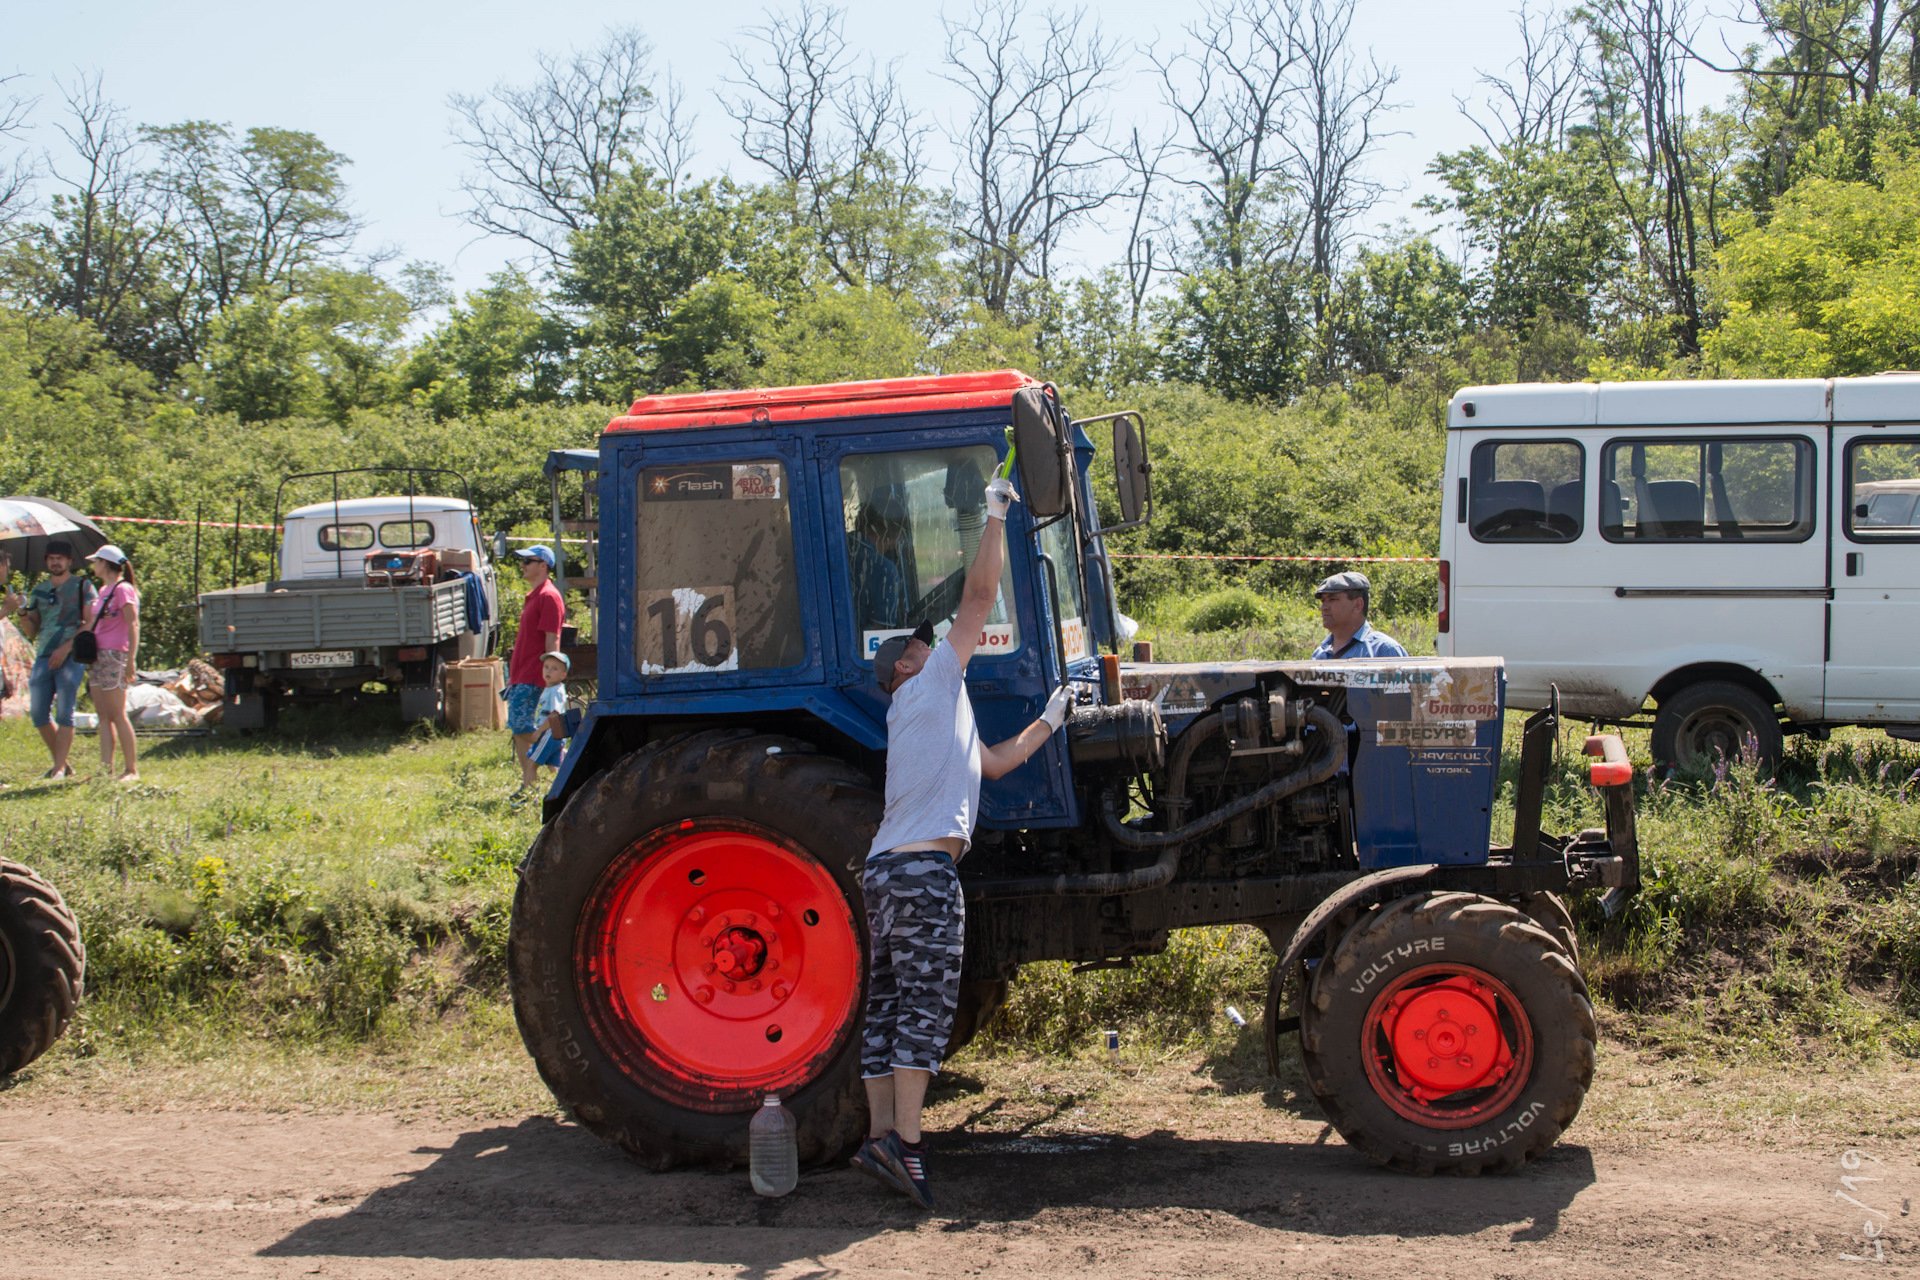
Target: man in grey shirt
x=916, y=916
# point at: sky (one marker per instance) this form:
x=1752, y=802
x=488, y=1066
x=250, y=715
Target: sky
x=372, y=81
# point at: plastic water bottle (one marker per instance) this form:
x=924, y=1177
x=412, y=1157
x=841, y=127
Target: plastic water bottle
x=773, y=1149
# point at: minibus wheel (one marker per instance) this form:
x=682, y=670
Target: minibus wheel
x=1712, y=721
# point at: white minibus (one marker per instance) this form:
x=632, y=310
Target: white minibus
x=1744, y=554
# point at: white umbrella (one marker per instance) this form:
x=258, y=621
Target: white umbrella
x=27, y=525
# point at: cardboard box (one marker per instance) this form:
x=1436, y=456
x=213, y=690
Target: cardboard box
x=458, y=558
x=473, y=688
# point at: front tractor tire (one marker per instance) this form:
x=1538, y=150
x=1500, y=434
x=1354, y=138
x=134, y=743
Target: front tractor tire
x=1448, y=1033
x=688, y=937
x=42, y=966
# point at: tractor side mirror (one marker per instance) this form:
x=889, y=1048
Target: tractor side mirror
x=1132, y=478
x=1040, y=455
x=500, y=545
x=1859, y=511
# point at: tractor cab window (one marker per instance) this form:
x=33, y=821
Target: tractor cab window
x=718, y=588
x=913, y=522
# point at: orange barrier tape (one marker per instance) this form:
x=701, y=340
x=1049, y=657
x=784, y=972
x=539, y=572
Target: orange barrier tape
x=1123, y=555
x=205, y=524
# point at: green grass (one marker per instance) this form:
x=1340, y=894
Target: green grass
x=322, y=886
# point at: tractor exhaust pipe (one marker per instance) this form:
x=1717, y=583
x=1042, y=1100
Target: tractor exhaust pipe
x=1322, y=763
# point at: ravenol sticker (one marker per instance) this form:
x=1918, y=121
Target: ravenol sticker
x=1425, y=735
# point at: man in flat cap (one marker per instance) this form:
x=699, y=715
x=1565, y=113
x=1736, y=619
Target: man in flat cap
x=916, y=916
x=1343, y=612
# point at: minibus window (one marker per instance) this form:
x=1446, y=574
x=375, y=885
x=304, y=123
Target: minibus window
x=1695, y=490
x=1883, y=487
x=1527, y=491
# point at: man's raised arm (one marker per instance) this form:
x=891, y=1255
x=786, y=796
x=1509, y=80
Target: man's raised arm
x=983, y=575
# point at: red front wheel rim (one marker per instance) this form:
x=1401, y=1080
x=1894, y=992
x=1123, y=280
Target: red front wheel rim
x=1447, y=1046
x=718, y=962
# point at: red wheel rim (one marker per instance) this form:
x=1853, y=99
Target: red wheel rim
x=1447, y=1046
x=719, y=962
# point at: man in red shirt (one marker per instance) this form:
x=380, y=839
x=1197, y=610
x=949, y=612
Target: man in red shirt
x=540, y=621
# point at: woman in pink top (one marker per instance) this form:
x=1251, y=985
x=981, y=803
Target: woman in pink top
x=116, y=625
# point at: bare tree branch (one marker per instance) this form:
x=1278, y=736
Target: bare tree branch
x=18, y=171
x=1533, y=106
x=544, y=152
x=1032, y=144
x=1232, y=91
x=843, y=141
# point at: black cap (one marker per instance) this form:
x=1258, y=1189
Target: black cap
x=890, y=650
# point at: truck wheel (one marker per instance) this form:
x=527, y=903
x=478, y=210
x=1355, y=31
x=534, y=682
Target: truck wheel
x=1448, y=1034
x=688, y=937
x=1713, y=720
x=42, y=966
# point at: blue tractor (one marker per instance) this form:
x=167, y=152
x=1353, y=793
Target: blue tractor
x=688, y=935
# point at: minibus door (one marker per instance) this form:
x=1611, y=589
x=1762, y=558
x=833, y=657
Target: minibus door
x=1873, y=662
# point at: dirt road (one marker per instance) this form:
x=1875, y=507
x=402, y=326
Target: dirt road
x=92, y=1193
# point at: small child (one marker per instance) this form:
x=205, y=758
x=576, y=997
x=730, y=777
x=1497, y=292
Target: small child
x=549, y=748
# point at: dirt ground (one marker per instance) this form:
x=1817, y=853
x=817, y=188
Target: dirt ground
x=92, y=1190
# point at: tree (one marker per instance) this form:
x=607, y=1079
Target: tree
x=18, y=171
x=1033, y=163
x=100, y=256
x=672, y=284
x=249, y=219
x=1338, y=104
x=502, y=349
x=1826, y=285
x=545, y=153
x=1534, y=202
x=1666, y=195
x=843, y=144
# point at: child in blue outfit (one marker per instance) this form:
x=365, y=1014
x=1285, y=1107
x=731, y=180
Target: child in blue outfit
x=549, y=749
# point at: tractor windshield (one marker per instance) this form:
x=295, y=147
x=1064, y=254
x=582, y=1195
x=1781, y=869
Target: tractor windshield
x=913, y=522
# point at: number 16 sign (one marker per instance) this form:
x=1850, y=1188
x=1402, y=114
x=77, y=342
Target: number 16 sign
x=687, y=629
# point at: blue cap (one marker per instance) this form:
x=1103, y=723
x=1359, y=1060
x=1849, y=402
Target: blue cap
x=543, y=554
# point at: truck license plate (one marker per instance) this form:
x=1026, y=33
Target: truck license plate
x=323, y=658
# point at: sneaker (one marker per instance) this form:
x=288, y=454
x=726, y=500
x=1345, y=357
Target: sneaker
x=869, y=1161
x=908, y=1164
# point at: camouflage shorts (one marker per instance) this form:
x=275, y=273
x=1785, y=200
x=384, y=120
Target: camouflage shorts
x=917, y=920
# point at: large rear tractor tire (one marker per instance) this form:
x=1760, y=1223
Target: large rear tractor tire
x=1713, y=720
x=42, y=966
x=688, y=937
x=1448, y=1033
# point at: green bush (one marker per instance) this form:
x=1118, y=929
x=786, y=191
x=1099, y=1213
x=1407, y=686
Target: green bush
x=1229, y=609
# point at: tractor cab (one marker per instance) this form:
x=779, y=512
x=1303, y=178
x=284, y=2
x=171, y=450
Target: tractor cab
x=777, y=537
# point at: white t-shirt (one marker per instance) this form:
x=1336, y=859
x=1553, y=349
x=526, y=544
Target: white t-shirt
x=933, y=758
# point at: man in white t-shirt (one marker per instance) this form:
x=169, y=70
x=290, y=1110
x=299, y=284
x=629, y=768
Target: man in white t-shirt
x=916, y=915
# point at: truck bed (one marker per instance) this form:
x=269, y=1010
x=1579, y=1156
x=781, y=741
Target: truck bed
x=329, y=613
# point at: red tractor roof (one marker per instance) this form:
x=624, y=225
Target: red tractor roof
x=824, y=400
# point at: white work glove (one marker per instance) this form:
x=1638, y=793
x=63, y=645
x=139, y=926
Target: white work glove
x=1000, y=496
x=1056, y=713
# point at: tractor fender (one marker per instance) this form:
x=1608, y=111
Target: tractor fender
x=1348, y=895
